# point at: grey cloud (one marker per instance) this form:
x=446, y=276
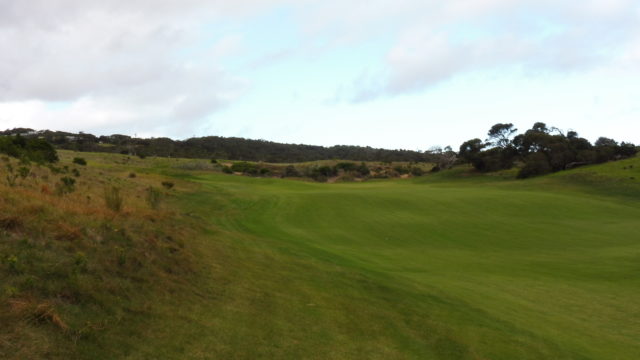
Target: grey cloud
x=113, y=61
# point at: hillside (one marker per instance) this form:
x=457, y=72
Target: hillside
x=453, y=265
x=217, y=147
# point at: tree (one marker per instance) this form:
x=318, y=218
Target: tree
x=535, y=164
x=540, y=127
x=603, y=141
x=500, y=135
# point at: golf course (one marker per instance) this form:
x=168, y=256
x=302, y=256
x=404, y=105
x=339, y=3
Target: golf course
x=441, y=267
x=451, y=265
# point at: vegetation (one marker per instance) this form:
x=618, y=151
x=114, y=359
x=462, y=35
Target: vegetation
x=113, y=199
x=154, y=196
x=80, y=161
x=74, y=279
x=456, y=264
x=28, y=149
x=215, y=147
x=542, y=150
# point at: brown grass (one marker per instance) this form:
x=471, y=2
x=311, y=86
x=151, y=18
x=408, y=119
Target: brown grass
x=68, y=263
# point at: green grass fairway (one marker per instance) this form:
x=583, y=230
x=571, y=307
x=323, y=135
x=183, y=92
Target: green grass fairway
x=441, y=267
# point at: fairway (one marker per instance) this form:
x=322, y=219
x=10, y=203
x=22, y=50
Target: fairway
x=409, y=269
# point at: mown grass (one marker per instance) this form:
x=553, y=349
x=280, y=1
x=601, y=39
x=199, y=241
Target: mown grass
x=471, y=267
x=454, y=265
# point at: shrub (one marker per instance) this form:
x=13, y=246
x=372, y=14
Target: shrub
x=153, y=197
x=346, y=166
x=66, y=185
x=168, y=185
x=80, y=161
x=132, y=175
x=31, y=149
x=264, y=171
x=55, y=170
x=363, y=169
x=214, y=161
x=416, y=171
x=227, y=170
x=113, y=198
x=535, y=164
x=24, y=171
x=290, y=171
x=402, y=170
x=75, y=172
x=245, y=168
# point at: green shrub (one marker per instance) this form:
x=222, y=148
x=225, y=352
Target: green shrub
x=75, y=172
x=245, y=168
x=112, y=198
x=417, y=171
x=66, y=185
x=214, y=161
x=290, y=171
x=24, y=171
x=535, y=164
x=132, y=175
x=227, y=170
x=363, y=170
x=80, y=161
x=402, y=170
x=153, y=197
x=31, y=149
x=346, y=166
x=54, y=170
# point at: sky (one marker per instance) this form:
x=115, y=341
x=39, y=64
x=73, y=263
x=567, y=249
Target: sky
x=399, y=74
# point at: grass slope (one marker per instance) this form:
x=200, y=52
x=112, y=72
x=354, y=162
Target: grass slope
x=464, y=268
x=449, y=266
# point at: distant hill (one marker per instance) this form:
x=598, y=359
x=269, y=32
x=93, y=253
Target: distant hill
x=218, y=147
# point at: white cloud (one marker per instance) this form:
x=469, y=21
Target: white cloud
x=440, y=40
x=121, y=65
x=113, y=62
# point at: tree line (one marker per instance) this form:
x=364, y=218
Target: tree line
x=540, y=150
x=216, y=147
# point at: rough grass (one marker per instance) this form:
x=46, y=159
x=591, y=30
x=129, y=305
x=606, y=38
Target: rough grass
x=72, y=271
x=454, y=265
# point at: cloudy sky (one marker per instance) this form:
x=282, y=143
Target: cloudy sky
x=387, y=73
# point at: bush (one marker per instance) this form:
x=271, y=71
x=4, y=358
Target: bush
x=75, y=172
x=168, y=185
x=112, y=198
x=416, y=171
x=132, y=175
x=153, y=197
x=80, y=161
x=363, y=170
x=402, y=170
x=214, y=161
x=245, y=168
x=346, y=166
x=24, y=171
x=227, y=170
x=535, y=164
x=66, y=185
x=291, y=171
x=31, y=149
